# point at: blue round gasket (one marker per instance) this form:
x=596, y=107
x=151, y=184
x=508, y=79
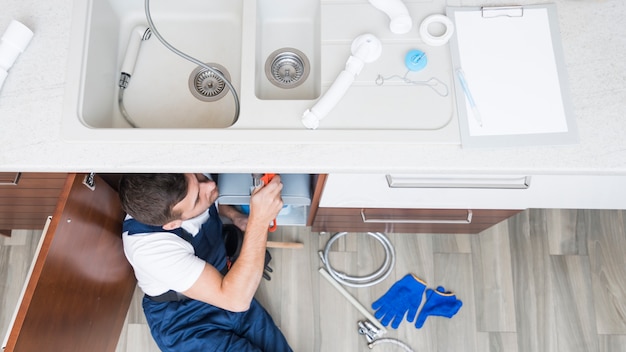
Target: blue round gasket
x=415, y=60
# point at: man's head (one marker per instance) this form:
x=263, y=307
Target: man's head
x=165, y=199
x=150, y=198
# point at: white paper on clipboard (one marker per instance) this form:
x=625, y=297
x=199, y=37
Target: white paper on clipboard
x=512, y=62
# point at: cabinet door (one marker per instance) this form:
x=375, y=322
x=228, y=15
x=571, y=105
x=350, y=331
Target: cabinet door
x=81, y=284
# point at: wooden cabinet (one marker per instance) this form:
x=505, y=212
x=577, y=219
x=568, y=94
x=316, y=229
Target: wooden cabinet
x=408, y=220
x=81, y=284
x=27, y=199
x=353, y=209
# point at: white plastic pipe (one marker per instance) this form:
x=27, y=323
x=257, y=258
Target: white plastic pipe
x=13, y=42
x=400, y=20
x=369, y=316
x=365, y=49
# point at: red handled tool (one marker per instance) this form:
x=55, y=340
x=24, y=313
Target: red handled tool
x=266, y=178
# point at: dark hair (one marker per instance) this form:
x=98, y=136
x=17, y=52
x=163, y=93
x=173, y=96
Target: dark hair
x=150, y=198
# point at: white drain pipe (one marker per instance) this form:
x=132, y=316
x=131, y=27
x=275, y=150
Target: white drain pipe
x=369, y=316
x=366, y=48
x=400, y=21
x=12, y=43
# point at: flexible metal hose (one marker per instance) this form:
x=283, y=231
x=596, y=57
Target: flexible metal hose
x=390, y=341
x=361, y=281
x=192, y=59
x=120, y=104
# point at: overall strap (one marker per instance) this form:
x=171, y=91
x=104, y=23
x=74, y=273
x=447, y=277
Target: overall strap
x=134, y=227
x=208, y=244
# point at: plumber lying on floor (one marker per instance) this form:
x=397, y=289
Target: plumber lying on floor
x=173, y=239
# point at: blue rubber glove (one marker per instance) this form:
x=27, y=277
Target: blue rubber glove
x=438, y=303
x=404, y=296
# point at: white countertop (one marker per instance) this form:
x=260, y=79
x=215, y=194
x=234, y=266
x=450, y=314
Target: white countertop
x=31, y=106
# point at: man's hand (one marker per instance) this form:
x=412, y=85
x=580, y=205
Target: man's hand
x=238, y=219
x=266, y=202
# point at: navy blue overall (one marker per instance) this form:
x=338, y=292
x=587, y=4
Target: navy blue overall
x=190, y=325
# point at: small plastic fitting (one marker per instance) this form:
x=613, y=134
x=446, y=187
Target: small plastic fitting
x=415, y=60
x=13, y=42
x=400, y=21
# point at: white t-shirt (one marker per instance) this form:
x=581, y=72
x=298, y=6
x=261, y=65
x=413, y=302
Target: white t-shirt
x=162, y=260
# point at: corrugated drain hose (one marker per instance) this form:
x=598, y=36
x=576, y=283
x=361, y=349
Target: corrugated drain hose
x=361, y=281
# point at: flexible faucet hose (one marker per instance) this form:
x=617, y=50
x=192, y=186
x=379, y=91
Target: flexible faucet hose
x=192, y=59
x=396, y=342
x=120, y=104
x=361, y=281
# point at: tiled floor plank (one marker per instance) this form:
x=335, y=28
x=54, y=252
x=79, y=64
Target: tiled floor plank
x=572, y=304
x=528, y=262
x=16, y=256
x=493, y=283
x=564, y=234
x=607, y=255
x=612, y=343
x=454, y=273
x=497, y=341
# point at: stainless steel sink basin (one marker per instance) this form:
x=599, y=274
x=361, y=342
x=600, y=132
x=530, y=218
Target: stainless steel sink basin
x=262, y=45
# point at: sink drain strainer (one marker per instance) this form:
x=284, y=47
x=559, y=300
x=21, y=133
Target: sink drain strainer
x=287, y=68
x=206, y=85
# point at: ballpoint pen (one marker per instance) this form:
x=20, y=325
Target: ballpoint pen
x=468, y=94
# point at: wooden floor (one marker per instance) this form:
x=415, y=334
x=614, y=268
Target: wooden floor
x=545, y=280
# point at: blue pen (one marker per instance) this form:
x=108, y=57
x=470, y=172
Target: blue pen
x=461, y=76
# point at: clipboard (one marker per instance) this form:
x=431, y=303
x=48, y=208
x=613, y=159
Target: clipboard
x=510, y=80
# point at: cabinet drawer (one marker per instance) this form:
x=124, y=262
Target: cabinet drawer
x=26, y=199
x=474, y=191
x=408, y=220
x=425, y=191
x=9, y=178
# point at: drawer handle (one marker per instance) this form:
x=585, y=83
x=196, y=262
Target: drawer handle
x=466, y=220
x=503, y=182
x=10, y=180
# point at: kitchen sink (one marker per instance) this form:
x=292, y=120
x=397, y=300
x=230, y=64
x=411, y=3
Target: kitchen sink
x=158, y=94
x=287, y=50
x=281, y=57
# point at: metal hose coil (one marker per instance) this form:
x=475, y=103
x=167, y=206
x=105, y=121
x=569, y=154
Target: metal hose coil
x=361, y=281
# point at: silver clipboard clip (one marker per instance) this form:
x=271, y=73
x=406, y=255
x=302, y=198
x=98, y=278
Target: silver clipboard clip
x=502, y=11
